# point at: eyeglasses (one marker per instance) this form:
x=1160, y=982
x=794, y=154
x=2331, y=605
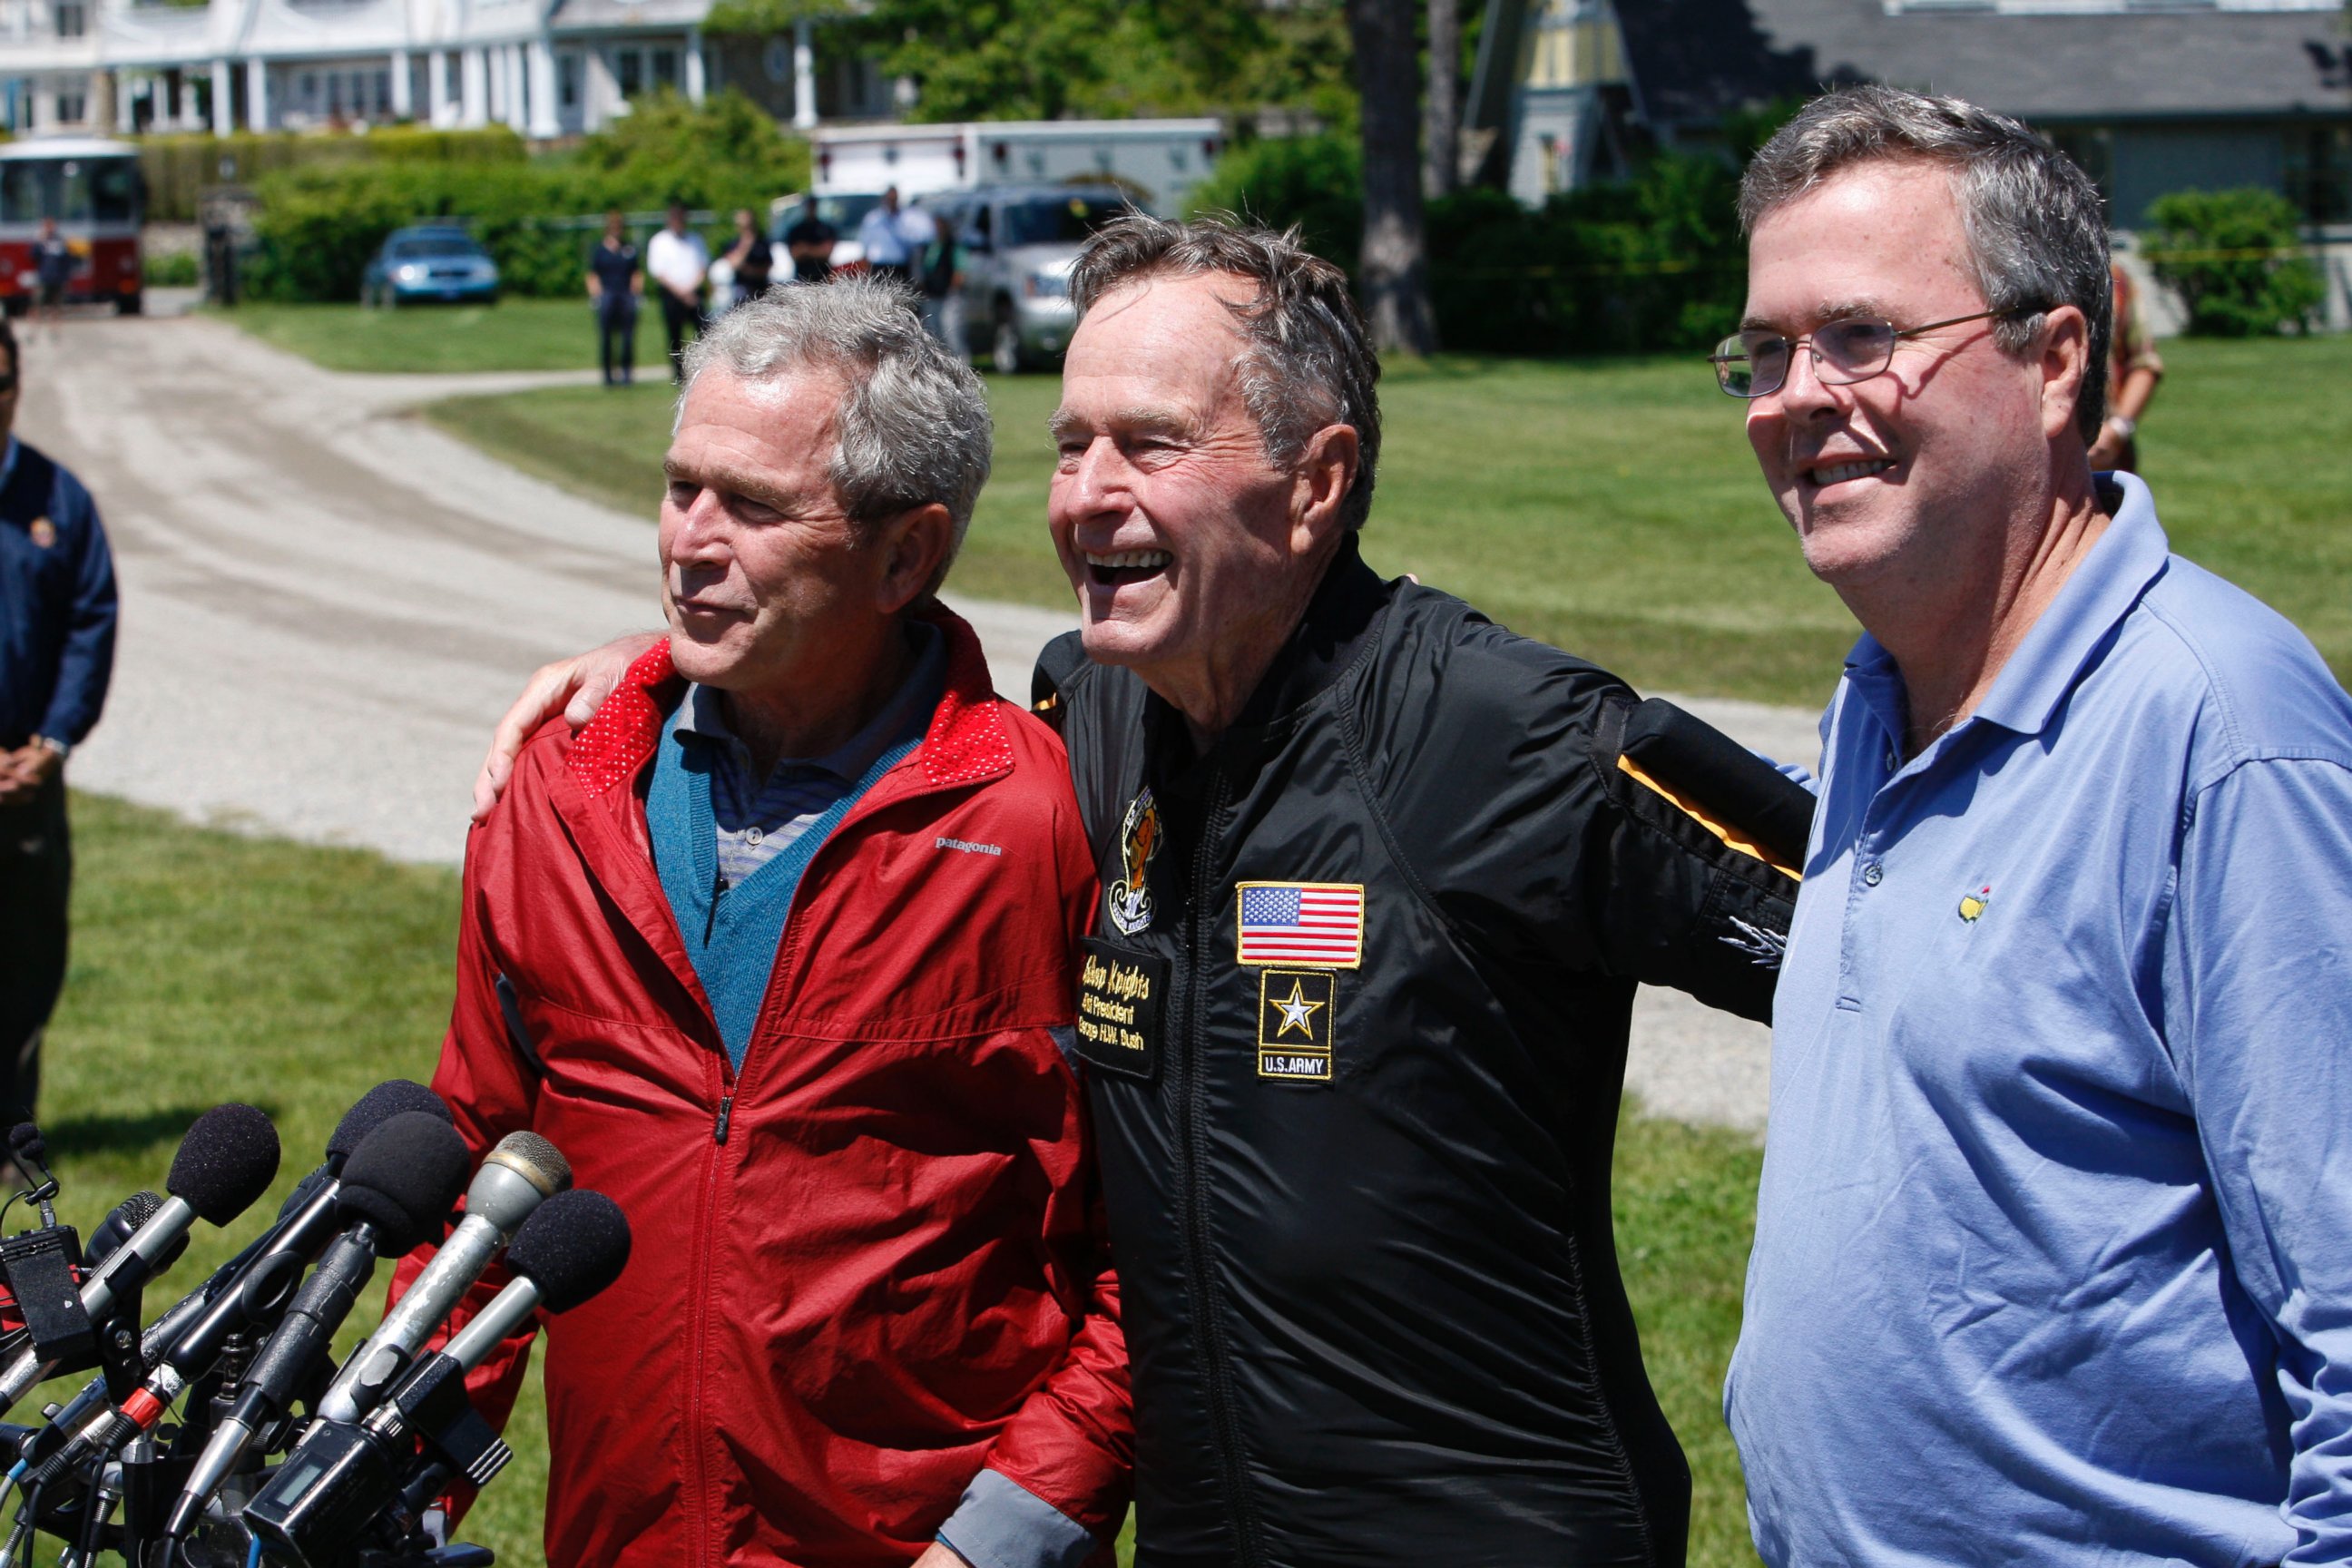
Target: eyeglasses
x=1756, y=364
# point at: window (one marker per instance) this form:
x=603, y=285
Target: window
x=1060, y=220
x=73, y=108
x=2319, y=172
x=72, y=22
x=631, y=71
x=452, y=77
x=567, y=80
x=665, y=67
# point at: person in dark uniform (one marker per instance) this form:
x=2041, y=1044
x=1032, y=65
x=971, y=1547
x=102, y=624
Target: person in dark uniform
x=810, y=242
x=616, y=288
x=750, y=256
x=53, y=266
x=57, y=650
x=1378, y=881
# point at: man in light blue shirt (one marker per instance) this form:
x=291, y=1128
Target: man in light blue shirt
x=2053, y=1252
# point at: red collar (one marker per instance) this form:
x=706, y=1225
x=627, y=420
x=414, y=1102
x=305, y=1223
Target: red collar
x=967, y=740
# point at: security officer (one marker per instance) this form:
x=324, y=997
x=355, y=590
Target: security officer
x=57, y=649
x=1378, y=879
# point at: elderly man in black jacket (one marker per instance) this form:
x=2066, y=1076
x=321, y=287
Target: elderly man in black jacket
x=1379, y=879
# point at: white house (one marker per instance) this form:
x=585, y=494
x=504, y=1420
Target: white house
x=548, y=67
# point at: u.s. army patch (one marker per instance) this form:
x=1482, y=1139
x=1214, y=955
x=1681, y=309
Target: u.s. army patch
x=1295, y=1024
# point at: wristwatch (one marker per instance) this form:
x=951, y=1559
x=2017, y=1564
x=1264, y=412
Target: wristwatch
x=64, y=749
x=2124, y=425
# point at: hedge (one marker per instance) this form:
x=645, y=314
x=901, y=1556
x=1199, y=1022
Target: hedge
x=178, y=166
x=1654, y=262
x=319, y=225
x=2236, y=260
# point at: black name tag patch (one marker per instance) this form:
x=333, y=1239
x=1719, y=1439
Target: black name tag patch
x=1120, y=994
x=1294, y=1008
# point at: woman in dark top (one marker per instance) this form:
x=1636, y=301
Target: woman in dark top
x=750, y=256
x=616, y=282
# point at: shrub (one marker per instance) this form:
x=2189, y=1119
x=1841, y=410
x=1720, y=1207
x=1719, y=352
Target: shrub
x=172, y=269
x=178, y=166
x=1315, y=181
x=320, y=224
x=1654, y=262
x=2236, y=260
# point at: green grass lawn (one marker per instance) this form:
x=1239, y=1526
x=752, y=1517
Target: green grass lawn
x=295, y=977
x=1612, y=507
x=513, y=334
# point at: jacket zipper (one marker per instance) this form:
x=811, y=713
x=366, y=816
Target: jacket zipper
x=1199, y=1269
x=698, y=1333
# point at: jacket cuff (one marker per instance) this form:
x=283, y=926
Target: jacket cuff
x=1000, y=1524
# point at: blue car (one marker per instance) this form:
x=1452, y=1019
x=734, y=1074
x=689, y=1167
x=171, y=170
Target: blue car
x=430, y=262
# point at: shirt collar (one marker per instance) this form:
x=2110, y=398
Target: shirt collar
x=2128, y=556
x=908, y=712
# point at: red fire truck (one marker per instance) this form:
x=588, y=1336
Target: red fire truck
x=93, y=189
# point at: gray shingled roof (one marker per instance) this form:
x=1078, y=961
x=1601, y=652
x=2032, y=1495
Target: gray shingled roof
x=1694, y=60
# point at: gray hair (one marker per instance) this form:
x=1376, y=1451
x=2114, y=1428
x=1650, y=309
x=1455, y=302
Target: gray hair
x=2036, y=229
x=913, y=424
x=1308, y=361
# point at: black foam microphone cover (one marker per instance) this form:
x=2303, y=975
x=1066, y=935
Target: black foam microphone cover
x=376, y=1107
x=227, y=1160
x=25, y=1139
x=571, y=1246
x=404, y=1177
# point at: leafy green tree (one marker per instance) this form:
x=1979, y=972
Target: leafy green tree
x=1045, y=60
x=2236, y=260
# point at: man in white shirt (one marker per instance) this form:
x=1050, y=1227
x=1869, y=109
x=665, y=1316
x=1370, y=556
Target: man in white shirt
x=890, y=237
x=679, y=262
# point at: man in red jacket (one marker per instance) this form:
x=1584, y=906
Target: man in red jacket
x=777, y=952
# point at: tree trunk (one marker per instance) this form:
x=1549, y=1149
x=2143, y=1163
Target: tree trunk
x=1395, y=265
x=1441, y=139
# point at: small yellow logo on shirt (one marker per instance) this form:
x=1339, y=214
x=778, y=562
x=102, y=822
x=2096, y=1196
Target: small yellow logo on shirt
x=1973, y=904
x=43, y=532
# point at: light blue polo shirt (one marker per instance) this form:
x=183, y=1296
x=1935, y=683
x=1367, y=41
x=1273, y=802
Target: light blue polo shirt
x=2054, y=1251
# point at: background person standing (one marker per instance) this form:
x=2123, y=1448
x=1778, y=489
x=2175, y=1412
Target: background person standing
x=941, y=274
x=680, y=263
x=617, y=284
x=810, y=242
x=57, y=649
x=750, y=258
x=52, y=269
x=888, y=239
x=2133, y=367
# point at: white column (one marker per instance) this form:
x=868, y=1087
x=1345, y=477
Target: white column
x=437, y=86
x=518, y=104
x=126, y=114
x=257, y=95
x=695, y=85
x=804, y=74
x=404, y=96
x=474, y=87
x=494, y=84
x=224, y=99
x=544, y=112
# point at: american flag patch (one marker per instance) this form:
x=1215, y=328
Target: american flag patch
x=1318, y=924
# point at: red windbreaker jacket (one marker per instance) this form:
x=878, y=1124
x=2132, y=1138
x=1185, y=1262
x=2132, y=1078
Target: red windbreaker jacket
x=872, y=1263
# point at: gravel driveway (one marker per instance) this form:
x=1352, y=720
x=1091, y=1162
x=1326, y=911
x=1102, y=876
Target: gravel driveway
x=328, y=604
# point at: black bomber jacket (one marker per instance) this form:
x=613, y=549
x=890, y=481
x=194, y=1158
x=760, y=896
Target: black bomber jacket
x=1355, y=1021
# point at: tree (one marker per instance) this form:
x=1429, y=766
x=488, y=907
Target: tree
x=1443, y=134
x=1394, y=265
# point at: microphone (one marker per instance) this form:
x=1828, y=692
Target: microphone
x=397, y=1187
x=116, y=1228
x=573, y=1247
x=524, y=1171
x=209, y=1314
x=226, y=1161
x=341, y=1479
